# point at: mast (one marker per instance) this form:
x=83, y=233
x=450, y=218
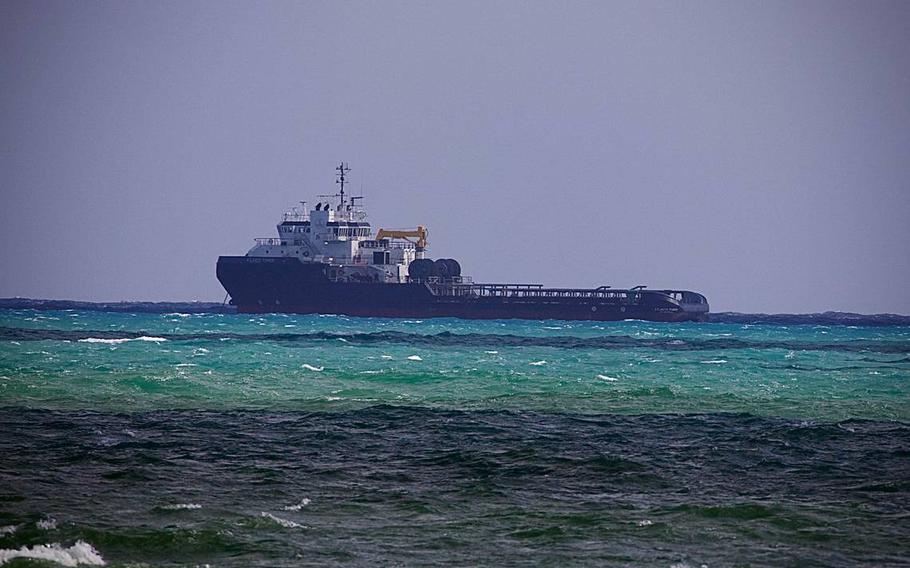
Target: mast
x=342, y=169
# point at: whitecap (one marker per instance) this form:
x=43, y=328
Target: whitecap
x=414, y=358
x=47, y=524
x=121, y=340
x=100, y=340
x=80, y=553
x=343, y=340
x=182, y=506
x=492, y=352
x=309, y=367
x=283, y=522
x=186, y=365
x=8, y=529
x=607, y=378
x=537, y=363
x=645, y=523
x=715, y=362
x=385, y=357
x=178, y=314
x=303, y=503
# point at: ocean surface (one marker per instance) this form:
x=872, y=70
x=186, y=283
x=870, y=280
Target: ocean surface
x=194, y=439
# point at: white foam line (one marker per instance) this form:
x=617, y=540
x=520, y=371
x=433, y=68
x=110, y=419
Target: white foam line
x=47, y=524
x=537, y=363
x=182, y=506
x=303, y=503
x=309, y=367
x=414, y=358
x=118, y=341
x=283, y=522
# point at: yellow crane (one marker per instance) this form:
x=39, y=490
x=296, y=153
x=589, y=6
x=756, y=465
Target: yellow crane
x=420, y=233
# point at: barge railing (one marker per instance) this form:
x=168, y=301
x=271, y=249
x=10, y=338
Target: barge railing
x=519, y=291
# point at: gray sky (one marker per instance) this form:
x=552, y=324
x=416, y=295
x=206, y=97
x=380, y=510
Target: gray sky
x=758, y=152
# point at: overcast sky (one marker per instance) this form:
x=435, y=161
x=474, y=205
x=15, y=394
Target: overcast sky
x=758, y=152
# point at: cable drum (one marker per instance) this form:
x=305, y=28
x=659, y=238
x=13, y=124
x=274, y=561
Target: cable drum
x=421, y=268
x=453, y=267
x=441, y=268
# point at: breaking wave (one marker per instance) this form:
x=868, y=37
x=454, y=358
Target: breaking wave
x=80, y=553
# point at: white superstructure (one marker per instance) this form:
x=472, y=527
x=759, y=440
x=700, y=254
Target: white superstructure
x=335, y=232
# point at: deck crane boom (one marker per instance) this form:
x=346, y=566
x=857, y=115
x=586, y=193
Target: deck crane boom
x=420, y=233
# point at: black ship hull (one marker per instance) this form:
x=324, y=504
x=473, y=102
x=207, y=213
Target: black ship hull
x=265, y=285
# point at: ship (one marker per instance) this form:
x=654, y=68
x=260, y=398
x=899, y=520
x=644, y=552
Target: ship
x=328, y=260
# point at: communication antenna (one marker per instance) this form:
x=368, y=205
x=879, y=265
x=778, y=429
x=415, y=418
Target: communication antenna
x=342, y=169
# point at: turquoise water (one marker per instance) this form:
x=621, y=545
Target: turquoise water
x=809, y=372
x=282, y=440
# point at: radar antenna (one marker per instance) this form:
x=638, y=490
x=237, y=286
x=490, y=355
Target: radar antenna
x=342, y=169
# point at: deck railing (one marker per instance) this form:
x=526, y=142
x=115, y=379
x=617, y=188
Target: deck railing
x=519, y=291
x=371, y=244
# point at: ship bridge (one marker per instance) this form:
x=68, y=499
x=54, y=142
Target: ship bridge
x=335, y=232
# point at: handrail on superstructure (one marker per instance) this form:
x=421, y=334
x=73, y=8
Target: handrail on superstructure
x=272, y=241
